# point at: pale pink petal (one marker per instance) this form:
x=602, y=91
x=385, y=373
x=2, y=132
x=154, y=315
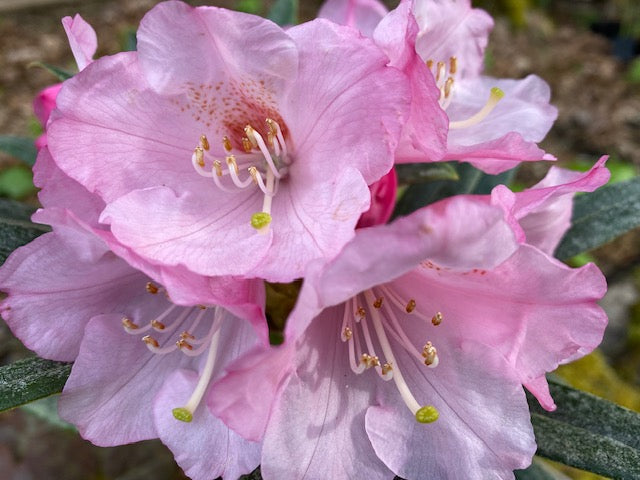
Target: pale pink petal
x=317, y=427
x=53, y=293
x=233, y=398
x=109, y=395
x=424, y=135
x=483, y=429
x=383, y=200
x=451, y=28
x=358, y=103
x=361, y=14
x=204, y=448
x=183, y=46
x=532, y=308
x=539, y=387
x=136, y=138
x=82, y=39
x=542, y=214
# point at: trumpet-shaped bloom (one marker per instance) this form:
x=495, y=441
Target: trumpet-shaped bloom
x=70, y=297
x=229, y=146
x=492, y=123
x=423, y=333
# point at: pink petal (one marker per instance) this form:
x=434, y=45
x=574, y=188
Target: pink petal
x=317, y=427
x=82, y=39
x=363, y=15
x=204, y=448
x=45, y=102
x=540, y=389
x=53, y=293
x=483, y=413
x=181, y=45
x=383, y=201
x=451, y=28
x=425, y=133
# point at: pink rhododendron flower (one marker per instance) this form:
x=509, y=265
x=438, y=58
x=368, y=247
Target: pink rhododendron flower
x=383, y=200
x=492, y=123
x=437, y=318
x=71, y=297
x=303, y=121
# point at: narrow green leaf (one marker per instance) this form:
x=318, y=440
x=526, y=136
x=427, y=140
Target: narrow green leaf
x=538, y=471
x=28, y=380
x=601, y=216
x=21, y=148
x=60, y=73
x=249, y=6
x=15, y=227
x=589, y=433
x=470, y=180
x=410, y=173
x=284, y=12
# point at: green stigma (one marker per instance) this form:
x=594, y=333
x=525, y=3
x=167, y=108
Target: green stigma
x=260, y=220
x=184, y=415
x=427, y=414
x=497, y=93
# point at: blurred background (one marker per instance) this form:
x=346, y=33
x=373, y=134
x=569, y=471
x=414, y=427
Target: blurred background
x=586, y=50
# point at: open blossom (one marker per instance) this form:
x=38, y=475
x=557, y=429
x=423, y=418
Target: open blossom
x=142, y=362
x=424, y=332
x=492, y=123
x=229, y=146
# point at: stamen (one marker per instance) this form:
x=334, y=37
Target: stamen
x=346, y=334
x=453, y=65
x=360, y=314
x=157, y=325
x=246, y=145
x=378, y=302
x=437, y=319
x=129, y=325
x=429, y=64
x=150, y=341
x=411, y=306
x=199, y=153
x=448, y=85
x=152, y=288
x=494, y=98
x=430, y=355
x=218, y=167
x=185, y=414
x=440, y=70
x=226, y=144
x=204, y=142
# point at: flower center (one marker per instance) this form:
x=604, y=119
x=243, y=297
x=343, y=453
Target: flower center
x=381, y=305
x=444, y=75
x=188, y=320
x=262, y=163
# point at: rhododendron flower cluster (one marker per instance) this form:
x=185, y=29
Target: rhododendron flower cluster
x=227, y=153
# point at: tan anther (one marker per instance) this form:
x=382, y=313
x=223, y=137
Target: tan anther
x=218, y=167
x=186, y=335
x=182, y=343
x=152, y=288
x=226, y=144
x=231, y=162
x=439, y=70
x=374, y=361
x=202, y=307
x=199, y=156
x=453, y=65
x=246, y=145
x=429, y=353
x=149, y=340
x=204, y=142
x=157, y=325
x=127, y=323
x=386, y=368
x=429, y=64
x=270, y=139
x=447, y=87
x=437, y=319
x=271, y=125
x=378, y=302
x=250, y=134
x=361, y=312
x=347, y=333
x=365, y=358
x=253, y=171
x=411, y=306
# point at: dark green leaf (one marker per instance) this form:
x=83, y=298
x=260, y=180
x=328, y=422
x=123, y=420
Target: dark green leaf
x=16, y=182
x=284, y=12
x=601, y=216
x=410, y=173
x=249, y=6
x=15, y=227
x=589, y=433
x=470, y=180
x=21, y=148
x=60, y=73
x=28, y=380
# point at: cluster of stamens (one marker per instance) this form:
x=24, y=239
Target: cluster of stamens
x=265, y=161
x=186, y=342
x=444, y=74
x=380, y=306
